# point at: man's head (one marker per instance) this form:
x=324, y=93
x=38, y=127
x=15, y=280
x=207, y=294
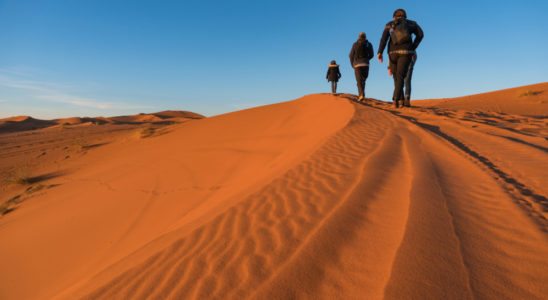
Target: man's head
x=362, y=36
x=400, y=13
x=333, y=62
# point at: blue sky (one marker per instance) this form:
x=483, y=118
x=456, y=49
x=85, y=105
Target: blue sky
x=93, y=58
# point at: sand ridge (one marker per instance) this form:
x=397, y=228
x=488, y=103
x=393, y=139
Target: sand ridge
x=321, y=198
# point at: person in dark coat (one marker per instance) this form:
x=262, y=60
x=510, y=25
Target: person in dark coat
x=401, y=49
x=360, y=54
x=333, y=75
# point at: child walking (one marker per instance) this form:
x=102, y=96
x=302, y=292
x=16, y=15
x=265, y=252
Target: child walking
x=333, y=75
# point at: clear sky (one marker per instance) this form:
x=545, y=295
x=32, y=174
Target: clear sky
x=108, y=57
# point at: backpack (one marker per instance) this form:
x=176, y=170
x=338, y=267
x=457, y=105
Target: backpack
x=361, y=51
x=399, y=32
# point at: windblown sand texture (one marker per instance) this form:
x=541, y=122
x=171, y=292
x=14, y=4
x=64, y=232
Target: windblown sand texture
x=316, y=198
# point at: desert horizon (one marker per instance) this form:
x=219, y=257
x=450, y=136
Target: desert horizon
x=519, y=91
x=321, y=197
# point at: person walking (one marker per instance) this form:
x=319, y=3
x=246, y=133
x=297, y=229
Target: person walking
x=401, y=49
x=333, y=75
x=360, y=54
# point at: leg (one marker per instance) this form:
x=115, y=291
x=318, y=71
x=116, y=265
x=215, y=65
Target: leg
x=408, y=82
x=393, y=64
x=364, y=72
x=334, y=87
x=358, y=82
x=402, y=64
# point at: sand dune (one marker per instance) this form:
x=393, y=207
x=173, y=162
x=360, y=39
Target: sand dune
x=317, y=198
x=21, y=123
x=25, y=123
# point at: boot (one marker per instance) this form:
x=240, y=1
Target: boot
x=407, y=102
x=396, y=103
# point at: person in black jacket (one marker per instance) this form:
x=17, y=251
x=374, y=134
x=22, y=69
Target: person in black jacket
x=333, y=75
x=400, y=50
x=360, y=54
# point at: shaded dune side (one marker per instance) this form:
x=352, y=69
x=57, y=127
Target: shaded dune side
x=166, y=114
x=385, y=209
x=21, y=123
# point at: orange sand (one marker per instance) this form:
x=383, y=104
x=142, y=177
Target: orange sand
x=317, y=198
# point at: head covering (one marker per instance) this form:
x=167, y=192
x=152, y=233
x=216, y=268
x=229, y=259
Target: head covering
x=362, y=35
x=400, y=13
x=333, y=62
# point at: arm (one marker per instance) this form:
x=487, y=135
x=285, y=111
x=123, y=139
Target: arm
x=384, y=39
x=418, y=36
x=338, y=73
x=327, y=75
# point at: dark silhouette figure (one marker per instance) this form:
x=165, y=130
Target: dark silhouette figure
x=360, y=54
x=401, y=49
x=333, y=75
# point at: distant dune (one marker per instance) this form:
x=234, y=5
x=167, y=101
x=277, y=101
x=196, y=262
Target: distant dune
x=315, y=198
x=24, y=123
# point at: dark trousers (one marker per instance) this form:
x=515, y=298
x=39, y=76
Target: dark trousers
x=333, y=87
x=407, y=80
x=399, y=65
x=361, y=75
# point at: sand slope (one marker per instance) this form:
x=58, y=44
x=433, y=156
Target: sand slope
x=318, y=198
x=530, y=100
x=123, y=195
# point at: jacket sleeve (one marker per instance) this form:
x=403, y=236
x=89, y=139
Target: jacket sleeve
x=338, y=73
x=418, y=36
x=384, y=38
x=351, y=55
x=327, y=75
